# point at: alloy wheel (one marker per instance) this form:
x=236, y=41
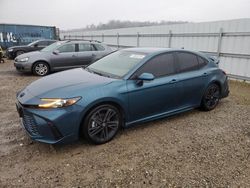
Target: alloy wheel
x=41, y=69
x=103, y=124
x=212, y=96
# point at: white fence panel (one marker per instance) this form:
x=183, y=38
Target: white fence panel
x=228, y=40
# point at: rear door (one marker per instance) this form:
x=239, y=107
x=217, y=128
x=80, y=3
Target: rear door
x=65, y=57
x=85, y=54
x=192, y=78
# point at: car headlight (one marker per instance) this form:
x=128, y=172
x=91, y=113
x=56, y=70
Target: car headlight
x=10, y=50
x=57, y=103
x=23, y=59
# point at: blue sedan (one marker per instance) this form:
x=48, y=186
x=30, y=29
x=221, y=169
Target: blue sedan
x=127, y=87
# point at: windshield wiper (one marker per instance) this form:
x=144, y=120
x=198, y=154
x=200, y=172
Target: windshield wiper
x=109, y=75
x=96, y=72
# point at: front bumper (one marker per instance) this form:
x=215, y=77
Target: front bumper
x=23, y=67
x=52, y=126
x=10, y=55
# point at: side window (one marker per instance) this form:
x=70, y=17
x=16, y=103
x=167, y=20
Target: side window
x=67, y=48
x=99, y=47
x=85, y=47
x=202, y=62
x=161, y=65
x=187, y=61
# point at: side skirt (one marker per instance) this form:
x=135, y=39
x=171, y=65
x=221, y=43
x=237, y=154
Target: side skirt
x=158, y=116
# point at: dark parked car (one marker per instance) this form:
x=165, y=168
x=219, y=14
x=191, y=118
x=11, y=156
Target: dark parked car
x=60, y=56
x=15, y=51
x=127, y=87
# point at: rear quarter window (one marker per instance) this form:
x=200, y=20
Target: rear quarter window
x=99, y=47
x=202, y=62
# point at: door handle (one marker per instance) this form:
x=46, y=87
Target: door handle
x=73, y=55
x=173, y=81
x=204, y=74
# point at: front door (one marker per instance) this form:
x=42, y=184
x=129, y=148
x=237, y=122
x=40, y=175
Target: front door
x=65, y=57
x=156, y=97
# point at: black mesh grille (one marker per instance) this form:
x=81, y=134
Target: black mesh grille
x=30, y=125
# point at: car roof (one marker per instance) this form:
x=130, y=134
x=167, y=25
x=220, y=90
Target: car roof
x=46, y=40
x=146, y=50
x=150, y=50
x=82, y=41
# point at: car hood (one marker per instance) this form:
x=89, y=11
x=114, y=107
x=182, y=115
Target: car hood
x=13, y=47
x=29, y=54
x=66, y=84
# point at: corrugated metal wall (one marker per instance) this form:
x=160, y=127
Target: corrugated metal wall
x=229, y=40
x=12, y=34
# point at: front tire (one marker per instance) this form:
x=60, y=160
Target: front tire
x=102, y=124
x=211, y=97
x=40, y=69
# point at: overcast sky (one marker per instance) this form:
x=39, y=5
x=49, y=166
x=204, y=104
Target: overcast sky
x=68, y=14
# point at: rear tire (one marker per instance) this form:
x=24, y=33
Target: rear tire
x=211, y=97
x=101, y=124
x=40, y=69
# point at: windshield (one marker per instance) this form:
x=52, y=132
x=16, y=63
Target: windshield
x=52, y=47
x=32, y=43
x=117, y=64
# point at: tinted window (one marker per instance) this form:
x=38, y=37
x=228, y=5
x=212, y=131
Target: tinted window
x=85, y=47
x=66, y=48
x=187, y=61
x=202, y=62
x=99, y=47
x=160, y=65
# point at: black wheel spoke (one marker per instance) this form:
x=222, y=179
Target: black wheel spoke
x=103, y=124
x=97, y=121
x=112, y=124
x=109, y=114
x=212, y=96
x=105, y=133
x=95, y=130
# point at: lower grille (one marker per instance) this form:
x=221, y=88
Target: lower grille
x=30, y=125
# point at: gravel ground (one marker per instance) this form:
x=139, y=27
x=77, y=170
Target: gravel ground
x=194, y=149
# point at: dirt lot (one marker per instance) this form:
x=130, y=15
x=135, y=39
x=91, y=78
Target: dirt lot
x=194, y=149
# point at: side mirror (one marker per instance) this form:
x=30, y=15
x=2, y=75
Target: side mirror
x=35, y=45
x=146, y=76
x=55, y=52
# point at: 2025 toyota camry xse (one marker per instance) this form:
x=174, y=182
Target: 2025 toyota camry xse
x=127, y=87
